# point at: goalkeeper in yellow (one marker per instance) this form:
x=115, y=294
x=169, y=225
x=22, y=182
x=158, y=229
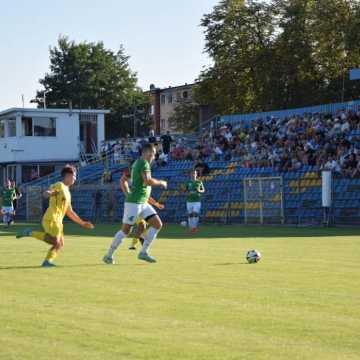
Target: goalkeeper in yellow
x=140, y=231
x=59, y=205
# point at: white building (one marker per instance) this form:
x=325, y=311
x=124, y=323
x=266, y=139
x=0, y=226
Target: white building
x=35, y=142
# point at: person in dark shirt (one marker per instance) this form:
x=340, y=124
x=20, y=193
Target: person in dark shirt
x=166, y=142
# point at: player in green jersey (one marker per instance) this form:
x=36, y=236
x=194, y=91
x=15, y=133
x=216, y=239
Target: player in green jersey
x=136, y=205
x=8, y=195
x=194, y=189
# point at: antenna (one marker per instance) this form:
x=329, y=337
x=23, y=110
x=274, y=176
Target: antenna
x=23, y=101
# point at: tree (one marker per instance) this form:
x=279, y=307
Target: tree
x=185, y=117
x=87, y=75
x=239, y=38
x=279, y=54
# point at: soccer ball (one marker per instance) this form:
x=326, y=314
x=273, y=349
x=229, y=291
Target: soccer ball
x=183, y=223
x=253, y=256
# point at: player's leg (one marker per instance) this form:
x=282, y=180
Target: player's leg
x=54, y=235
x=189, y=209
x=131, y=212
x=196, y=215
x=134, y=242
x=140, y=227
x=57, y=245
x=3, y=214
x=155, y=225
x=6, y=211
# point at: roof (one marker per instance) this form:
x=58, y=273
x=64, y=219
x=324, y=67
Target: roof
x=51, y=110
x=170, y=88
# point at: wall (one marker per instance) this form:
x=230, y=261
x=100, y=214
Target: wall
x=64, y=146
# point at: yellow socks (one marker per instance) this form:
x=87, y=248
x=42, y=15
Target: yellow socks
x=38, y=235
x=51, y=255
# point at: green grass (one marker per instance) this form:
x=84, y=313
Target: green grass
x=200, y=301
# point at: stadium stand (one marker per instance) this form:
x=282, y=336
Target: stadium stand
x=267, y=170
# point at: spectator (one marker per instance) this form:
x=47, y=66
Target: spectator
x=152, y=138
x=162, y=159
x=106, y=177
x=166, y=142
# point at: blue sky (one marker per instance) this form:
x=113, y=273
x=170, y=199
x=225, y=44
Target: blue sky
x=162, y=37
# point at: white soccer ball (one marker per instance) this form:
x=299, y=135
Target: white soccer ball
x=183, y=223
x=253, y=256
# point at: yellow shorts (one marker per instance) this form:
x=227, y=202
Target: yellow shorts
x=53, y=228
x=139, y=221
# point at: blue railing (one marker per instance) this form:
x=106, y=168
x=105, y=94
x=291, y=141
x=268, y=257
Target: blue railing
x=326, y=108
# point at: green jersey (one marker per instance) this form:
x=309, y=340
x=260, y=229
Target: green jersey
x=139, y=192
x=193, y=187
x=8, y=195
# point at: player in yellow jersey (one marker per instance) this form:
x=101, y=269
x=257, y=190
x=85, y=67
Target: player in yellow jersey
x=59, y=205
x=141, y=224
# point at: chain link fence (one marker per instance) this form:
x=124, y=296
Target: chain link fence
x=293, y=199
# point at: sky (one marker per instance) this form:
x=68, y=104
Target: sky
x=163, y=39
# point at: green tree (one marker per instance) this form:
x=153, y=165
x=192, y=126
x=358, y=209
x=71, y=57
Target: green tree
x=87, y=75
x=185, y=118
x=279, y=54
x=239, y=38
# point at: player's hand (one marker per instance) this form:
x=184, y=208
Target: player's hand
x=160, y=206
x=87, y=225
x=163, y=184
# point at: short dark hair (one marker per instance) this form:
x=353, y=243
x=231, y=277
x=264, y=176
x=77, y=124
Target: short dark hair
x=68, y=169
x=147, y=147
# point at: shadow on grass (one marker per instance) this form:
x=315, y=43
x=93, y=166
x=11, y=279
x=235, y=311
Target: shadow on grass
x=232, y=264
x=171, y=231
x=40, y=267
x=28, y=267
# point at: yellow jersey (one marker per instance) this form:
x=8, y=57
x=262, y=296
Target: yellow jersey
x=59, y=203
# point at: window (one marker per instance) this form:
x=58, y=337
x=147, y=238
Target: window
x=39, y=126
x=44, y=126
x=46, y=169
x=162, y=124
x=11, y=123
x=32, y=172
x=163, y=99
x=2, y=128
x=27, y=126
x=185, y=94
x=170, y=98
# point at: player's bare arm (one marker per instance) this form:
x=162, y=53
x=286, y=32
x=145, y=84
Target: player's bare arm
x=77, y=219
x=124, y=185
x=153, y=202
x=49, y=193
x=149, y=181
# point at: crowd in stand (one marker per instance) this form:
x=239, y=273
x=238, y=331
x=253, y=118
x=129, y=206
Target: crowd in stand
x=320, y=140
x=323, y=141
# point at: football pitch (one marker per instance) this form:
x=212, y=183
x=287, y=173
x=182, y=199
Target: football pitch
x=200, y=301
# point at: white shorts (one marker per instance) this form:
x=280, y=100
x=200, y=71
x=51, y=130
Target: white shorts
x=7, y=210
x=132, y=211
x=193, y=207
